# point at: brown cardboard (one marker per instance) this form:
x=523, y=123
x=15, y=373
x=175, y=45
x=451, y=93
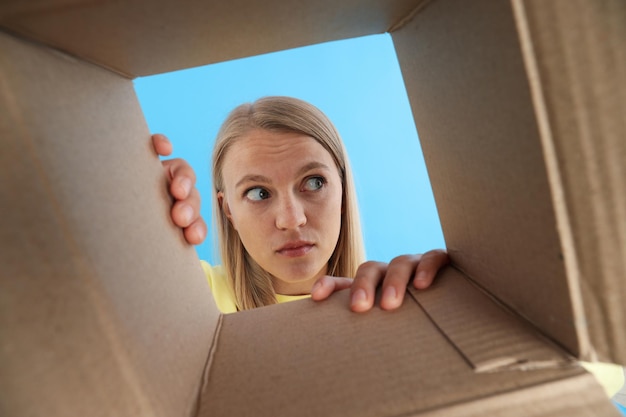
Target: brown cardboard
x=495, y=340
x=546, y=400
x=99, y=311
x=145, y=37
x=577, y=74
x=473, y=111
x=382, y=363
x=488, y=157
x=104, y=311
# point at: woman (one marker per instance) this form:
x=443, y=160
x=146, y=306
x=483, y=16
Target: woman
x=286, y=213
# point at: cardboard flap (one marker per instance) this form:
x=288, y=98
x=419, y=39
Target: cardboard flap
x=493, y=180
x=486, y=335
x=473, y=111
x=307, y=358
x=144, y=37
x=103, y=309
x=576, y=64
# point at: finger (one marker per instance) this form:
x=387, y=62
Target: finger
x=326, y=285
x=400, y=270
x=162, y=145
x=187, y=211
x=428, y=267
x=196, y=232
x=363, y=289
x=182, y=177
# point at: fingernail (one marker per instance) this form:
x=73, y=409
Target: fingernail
x=199, y=232
x=390, y=294
x=421, y=280
x=359, y=297
x=185, y=184
x=187, y=213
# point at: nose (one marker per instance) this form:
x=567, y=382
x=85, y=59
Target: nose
x=290, y=213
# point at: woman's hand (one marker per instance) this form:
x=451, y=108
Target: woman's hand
x=395, y=277
x=181, y=180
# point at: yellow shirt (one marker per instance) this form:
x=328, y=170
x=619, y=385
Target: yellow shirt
x=223, y=293
x=610, y=376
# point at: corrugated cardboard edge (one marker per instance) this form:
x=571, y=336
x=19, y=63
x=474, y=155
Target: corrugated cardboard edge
x=554, y=177
x=206, y=375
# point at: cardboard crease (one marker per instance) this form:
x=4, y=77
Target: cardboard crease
x=406, y=19
x=522, y=364
x=206, y=374
x=59, y=50
x=506, y=360
x=441, y=331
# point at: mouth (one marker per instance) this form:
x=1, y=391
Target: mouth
x=295, y=249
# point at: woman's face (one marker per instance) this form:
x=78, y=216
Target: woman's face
x=283, y=195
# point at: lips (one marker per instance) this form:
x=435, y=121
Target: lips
x=295, y=249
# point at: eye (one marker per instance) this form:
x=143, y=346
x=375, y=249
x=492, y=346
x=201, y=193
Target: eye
x=257, y=194
x=314, y=183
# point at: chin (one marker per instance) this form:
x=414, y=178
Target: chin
x=295, y=275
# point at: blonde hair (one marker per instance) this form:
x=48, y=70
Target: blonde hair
x=252, y=286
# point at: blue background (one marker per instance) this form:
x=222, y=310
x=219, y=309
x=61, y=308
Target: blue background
x=358, y=84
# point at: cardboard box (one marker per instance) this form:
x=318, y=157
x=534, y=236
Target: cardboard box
x=104, y=310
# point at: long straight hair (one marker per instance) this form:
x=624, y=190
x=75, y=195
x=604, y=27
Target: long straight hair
x=251, y=284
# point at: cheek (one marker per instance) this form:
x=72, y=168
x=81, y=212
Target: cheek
x=239, y=215
x=234, y=215
x=333, y=214
x=238, y=220
x=248, y=234
x=250, y=226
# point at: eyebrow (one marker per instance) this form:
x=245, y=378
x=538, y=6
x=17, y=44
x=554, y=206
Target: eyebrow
x=265, y=180
x=253, y=178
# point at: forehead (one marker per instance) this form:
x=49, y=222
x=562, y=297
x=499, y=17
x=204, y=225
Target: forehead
x=262, y=147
